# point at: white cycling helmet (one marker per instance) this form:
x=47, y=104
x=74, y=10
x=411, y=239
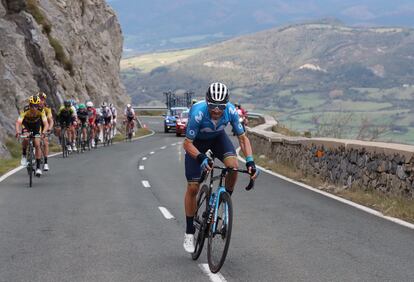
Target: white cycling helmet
x=128, y=106
x=217, y=93
x=104, y=104
x=89, y=104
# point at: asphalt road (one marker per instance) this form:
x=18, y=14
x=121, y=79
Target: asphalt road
x=91, y=218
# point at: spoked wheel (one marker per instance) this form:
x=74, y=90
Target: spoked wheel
x=219, y=238
x=63, y=143
x=200, y=221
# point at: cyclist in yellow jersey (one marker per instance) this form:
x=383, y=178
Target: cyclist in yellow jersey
x=48, y=112
x=35, y=121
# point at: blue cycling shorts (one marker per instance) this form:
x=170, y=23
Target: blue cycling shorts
x=221, y=146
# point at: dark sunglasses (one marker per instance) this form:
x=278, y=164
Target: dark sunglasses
x=212, y=106
x=34, y=106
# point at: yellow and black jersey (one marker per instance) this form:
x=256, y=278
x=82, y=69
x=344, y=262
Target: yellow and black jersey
x=28, y=116
x=47, y=110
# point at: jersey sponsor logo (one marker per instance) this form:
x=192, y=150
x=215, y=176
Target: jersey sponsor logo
x=233, y=111
x=199, y=117
x=192, y=133
x=240, y=126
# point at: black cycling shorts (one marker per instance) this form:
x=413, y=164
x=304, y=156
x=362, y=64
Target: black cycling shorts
x=34, y=127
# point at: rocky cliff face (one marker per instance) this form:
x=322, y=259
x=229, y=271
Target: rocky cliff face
x=63, y=48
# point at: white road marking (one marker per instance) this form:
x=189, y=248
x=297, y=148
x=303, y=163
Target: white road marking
x=342, y=200
x=163, y=147
x=13, y=171
x=141, y=167
x=215, y=277
x=173, y=144
x=144, y=158
x=152, y=153
x=166, y=213
x=145, y=183
x=4, y=176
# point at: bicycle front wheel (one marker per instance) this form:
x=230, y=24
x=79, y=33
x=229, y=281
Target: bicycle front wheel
x=220, y=233
x=200, y=221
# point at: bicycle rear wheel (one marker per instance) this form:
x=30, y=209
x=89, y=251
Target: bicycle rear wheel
x=200, y=221
x=219, y=239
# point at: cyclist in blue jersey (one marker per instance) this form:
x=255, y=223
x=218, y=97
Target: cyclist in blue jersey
x=205, y=130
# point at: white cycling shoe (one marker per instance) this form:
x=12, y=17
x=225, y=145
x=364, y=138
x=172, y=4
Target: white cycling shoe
x=46, y=167
x=23, y=162
x=189, y=243
x=38, y=172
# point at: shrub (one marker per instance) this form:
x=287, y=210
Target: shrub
x=33, y=9
x=60, y=55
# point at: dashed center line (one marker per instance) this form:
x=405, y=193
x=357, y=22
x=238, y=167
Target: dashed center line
x=163, y=147
x=144, y=158
x=146, y=184
x=166, y=213
x=173, y=144
x=215, y=277
x=152, y=153
x=141, y=167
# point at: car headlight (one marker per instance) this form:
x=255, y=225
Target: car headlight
x=167, y=120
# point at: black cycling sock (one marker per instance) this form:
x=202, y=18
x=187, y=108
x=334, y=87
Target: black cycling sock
x=37, y=163
x=24, y=152
x=228, y=191
x=190, y=225
x=45, y=160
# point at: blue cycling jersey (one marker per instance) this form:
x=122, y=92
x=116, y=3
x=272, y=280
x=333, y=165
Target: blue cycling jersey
x=200, y=125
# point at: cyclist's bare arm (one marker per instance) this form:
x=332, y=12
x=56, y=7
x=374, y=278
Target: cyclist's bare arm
x=18, y=124
x=50, y=121
x=245, y=145
x=190, y=148
x=45, y=125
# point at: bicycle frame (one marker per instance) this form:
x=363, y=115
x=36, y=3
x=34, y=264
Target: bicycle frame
x=213, y=204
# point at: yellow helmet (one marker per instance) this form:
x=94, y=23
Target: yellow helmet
x=34, y=100
x=42, y=95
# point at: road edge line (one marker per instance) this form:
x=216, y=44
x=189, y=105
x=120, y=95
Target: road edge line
x=17, y=169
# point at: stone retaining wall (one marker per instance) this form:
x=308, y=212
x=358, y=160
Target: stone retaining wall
x=344, y=163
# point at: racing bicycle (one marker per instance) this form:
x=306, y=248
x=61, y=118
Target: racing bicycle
x=31, y=160
x=214, y=217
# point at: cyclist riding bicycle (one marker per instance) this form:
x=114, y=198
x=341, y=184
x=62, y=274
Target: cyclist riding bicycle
x=83, y=117
x=129, y=118
x=48, y=112
x=35, y=121
x=107, y=117
x=114, y=114
x=205, y=130
x=91, y=120
x=66, y=116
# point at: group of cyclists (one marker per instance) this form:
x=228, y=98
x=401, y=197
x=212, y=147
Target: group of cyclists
x=37, y=120
x=205, y=130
